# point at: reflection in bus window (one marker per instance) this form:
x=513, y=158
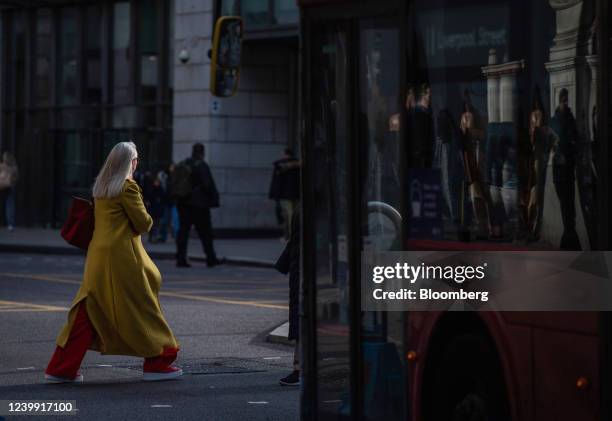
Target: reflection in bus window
x=503, y=122
x=379, y=80
x=330, y=186
x=382, y=333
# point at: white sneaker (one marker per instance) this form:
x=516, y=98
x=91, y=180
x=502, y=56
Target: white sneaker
x=168, y=374
x=54, y=379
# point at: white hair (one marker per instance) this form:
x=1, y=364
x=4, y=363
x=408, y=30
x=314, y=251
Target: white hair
x=114, y=172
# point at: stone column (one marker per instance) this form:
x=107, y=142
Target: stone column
x=502, y=89
x=507, y=94
x=503, y=108
x=493, y=91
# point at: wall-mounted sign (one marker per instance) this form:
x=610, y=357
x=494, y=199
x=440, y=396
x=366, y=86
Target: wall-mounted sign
x=460, y=37
x=425, y=203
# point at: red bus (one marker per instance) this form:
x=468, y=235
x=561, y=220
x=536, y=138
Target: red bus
x=504, y=108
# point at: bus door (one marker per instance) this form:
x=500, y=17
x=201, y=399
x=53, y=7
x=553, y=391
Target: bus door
x=326, y=330
x=352, y=99
x=380, y=173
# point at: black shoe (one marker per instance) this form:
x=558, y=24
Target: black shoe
x=292, y=379
x=215, y=262
x=182, y=264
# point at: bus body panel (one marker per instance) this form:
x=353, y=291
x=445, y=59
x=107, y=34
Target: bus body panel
x=530, y=357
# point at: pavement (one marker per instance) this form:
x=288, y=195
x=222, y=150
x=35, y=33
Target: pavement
x=219, y=315
x=258, y=252
x=261, y=252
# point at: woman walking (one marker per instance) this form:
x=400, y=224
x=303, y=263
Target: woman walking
x=116, y=310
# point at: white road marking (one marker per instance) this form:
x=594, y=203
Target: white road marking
x=161, y=406
x=258, y=402
x=103, y=365
x=25, y=368
x=272, y=358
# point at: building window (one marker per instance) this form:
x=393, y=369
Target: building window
x=121, y=53
x=68, y=81
x=149, y=54
x=286, y=12
x=260, y=14
x=97, y=69
x=256, y=13
x=170, y=39
x=93, y=55
x=42, y=83
x=16, y=86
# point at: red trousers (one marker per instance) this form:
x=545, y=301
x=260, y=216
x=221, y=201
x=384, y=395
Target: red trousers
x=66, y=361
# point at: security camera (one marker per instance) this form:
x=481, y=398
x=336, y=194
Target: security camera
x=183, y=56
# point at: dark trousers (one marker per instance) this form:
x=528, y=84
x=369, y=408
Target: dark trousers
x=564, y=185
x=294, y=306
x=200, y=217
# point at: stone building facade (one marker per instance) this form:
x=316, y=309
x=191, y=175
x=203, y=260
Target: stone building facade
x=79, y=76
x=245, y=134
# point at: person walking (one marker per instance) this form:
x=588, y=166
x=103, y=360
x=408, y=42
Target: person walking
x=285, y=187
x=164, y=225
x=289, y=263
x=195, y=193
x=116, y=310
x=9, y=174
x=158, y=202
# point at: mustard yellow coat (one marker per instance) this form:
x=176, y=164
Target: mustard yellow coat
x=121, y=283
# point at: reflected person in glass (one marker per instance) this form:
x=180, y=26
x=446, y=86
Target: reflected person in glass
x=471, y=138
x=564, y=169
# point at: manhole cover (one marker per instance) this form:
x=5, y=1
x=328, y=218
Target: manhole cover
x=213, y=367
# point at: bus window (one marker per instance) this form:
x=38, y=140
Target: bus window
x=502, y=132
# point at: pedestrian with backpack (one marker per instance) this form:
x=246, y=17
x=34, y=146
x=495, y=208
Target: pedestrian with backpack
x=195, y=194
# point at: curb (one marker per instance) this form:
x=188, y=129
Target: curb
x=159, y=255
x=278, y=335
x=229, y=260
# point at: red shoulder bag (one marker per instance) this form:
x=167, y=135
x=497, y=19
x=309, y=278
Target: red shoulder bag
x=79, y=227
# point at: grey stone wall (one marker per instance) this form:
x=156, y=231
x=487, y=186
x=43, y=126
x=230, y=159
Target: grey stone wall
x=244, y=134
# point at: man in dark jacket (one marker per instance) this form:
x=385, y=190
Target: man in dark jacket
x=285, y=187
x=423, y=129
x=564, y=169
x=194, y=208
